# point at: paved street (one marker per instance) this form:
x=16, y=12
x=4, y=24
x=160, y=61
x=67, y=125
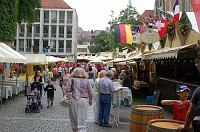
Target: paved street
x=54, y=119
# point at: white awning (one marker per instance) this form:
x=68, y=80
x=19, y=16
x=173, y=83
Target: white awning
x=96, y=61
x=166, y=52
x=55, y=59
x=7, y=54
x=36, y=58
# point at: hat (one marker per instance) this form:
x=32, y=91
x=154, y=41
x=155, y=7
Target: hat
x=182, y=88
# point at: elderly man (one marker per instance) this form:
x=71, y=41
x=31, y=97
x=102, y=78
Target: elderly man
x=193, y=114
x=106, y=89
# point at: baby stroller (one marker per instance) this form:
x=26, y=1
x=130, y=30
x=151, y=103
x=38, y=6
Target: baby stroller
x=39, y=86
x=33, y=102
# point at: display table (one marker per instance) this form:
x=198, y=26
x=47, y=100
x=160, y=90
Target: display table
x=141, y=84
x=120, y=99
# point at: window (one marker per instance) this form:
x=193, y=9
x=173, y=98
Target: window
x=21, y=29
x=36, y=30
x=69, y=31
x=14, y=45
x=21, y=45
x=29, y=31
x=53, y=31
x=36, y=45
x=46, y=31
x=53, y=45
x=46, y=16
x=37, y=15
x=61, y=17
x=61, y=31
x=61, y=46
x=45, y=43
x=28, y=45
x=81, y=49
x=69, y=46
x=53, y=16
x=69, y=17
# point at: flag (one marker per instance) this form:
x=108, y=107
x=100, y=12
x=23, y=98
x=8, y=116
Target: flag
x=143, y=28
x=136, y=30
x=161, y=12
x=176, y=12
x=152, y=20
x=162, y=27
x=196, y=9
x=122, y=33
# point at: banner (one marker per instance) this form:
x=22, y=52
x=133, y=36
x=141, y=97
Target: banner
x=196, y=10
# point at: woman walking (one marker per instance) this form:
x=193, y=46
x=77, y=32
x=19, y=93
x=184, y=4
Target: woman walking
x=81, y=93
x=64, y=79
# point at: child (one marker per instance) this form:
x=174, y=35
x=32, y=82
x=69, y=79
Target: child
x=33, y=97
x=49, y=89
x=180, y=106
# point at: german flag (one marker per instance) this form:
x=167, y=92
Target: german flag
x=122, y=33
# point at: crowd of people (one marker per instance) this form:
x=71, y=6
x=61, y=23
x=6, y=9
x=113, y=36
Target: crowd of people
x=90, y=84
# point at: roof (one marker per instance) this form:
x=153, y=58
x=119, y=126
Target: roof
x=85, y=36
x=146, y=14
x=57, y=4
x=167, y=52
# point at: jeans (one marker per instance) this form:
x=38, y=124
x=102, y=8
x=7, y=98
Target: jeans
x=105, y=105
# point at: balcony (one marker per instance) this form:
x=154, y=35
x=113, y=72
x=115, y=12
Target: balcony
x=36, y=34
x=21, y=49
x=53, y=20
x=46, y=20
x=68, y=50
x=29, y=34
x=61, y=50
x=61, y=35
x=53, y=49
x=21, y=34
x=28, y=49
x=53, y=35
x=69, y=35
x=61, y=20
x=45, y=35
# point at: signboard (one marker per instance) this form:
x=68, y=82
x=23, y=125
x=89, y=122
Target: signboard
x=150, y=36
x=136, y=38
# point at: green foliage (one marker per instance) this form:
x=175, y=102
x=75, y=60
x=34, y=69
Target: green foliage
x=162, y=42
x=100, y=43
x=13, y=11
x=183, y=24
x=8, y=17
x=27, y=10
x=170, y=30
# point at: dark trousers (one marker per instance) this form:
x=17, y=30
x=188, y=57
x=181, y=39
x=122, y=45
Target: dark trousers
x=105, y=105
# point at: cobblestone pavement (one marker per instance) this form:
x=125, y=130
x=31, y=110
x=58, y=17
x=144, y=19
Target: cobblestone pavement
x=54, y=119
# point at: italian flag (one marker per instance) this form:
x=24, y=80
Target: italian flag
x=176, y=11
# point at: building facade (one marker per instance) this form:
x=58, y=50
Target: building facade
x=85, y=39
x=167, y=5
x=55, y=28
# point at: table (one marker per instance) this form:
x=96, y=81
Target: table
x=119, y=97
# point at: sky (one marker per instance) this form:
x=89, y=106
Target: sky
x=95, y=14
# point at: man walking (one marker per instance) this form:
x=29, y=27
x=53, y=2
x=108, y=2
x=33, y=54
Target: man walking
x=106, y=89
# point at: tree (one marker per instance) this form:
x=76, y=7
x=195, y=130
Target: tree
x=100, y=43
x=13, y=11
x=126, y=16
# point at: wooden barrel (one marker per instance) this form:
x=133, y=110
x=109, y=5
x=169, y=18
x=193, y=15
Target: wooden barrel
x=165, y=125
x=141, y=114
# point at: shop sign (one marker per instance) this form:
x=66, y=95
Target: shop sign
x=150, y=36
x=136, y=38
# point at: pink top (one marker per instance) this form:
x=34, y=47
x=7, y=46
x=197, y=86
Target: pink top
x=85, y=88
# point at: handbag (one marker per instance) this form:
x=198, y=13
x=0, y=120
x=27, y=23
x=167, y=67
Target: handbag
x=66, y=100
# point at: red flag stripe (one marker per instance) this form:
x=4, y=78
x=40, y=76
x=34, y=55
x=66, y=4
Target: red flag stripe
x=122, y=33
x=196, y=9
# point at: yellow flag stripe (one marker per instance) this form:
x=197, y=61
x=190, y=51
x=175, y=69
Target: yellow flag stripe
x=128, y=34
